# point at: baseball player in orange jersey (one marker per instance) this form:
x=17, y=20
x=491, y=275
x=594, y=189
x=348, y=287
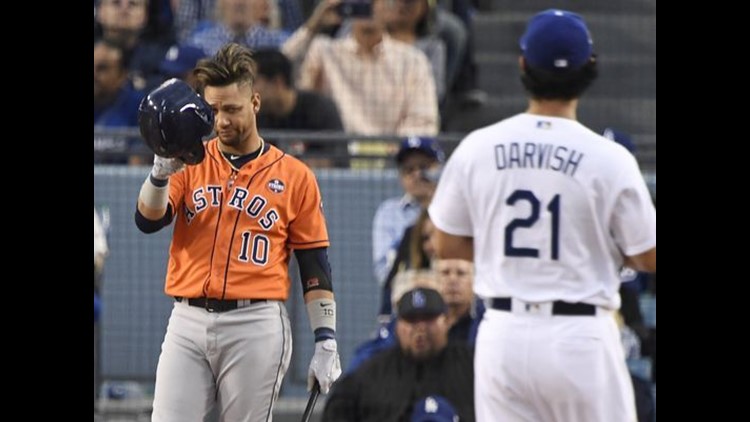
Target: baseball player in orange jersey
x=238, y=215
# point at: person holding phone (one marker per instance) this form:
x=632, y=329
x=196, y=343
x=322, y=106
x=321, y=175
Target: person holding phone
x=351, y=69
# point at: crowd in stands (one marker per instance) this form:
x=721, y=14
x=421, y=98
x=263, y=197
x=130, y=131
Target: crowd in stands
x=390, y=73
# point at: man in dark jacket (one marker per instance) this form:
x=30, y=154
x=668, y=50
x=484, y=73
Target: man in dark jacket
x=424, y=364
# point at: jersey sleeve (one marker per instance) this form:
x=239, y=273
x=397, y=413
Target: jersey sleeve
x=633, y=223
x=449, y=209
x=308, y=228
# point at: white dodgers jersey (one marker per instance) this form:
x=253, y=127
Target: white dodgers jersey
x=552, y=207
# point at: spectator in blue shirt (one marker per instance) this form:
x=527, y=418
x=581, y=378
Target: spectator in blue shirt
x=115, y=101
x=418, y=159
x=239, y=21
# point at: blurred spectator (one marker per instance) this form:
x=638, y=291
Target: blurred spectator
x=456, y=280
x=380, y=85
x=413, y=22
x=455, y=36
x=240, y=21
x=101, y=249
x=189, y=14
x=123, y=22
x=284, y=107
x=179, y=63
x=415, y=251
x=621, y=138
x=465, y=80
x=424, y=363
x=417, y=158
x=644, y=400
x=385, y=337
x=115, y=102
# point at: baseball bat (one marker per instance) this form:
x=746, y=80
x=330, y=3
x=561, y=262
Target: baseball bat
x=311, y=402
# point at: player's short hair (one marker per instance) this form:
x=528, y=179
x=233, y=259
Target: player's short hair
x=233, y=63
x=549, y=85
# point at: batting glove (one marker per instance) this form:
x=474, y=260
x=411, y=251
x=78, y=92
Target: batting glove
x=325, y=365
x=165, y=167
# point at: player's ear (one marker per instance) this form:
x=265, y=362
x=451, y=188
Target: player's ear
x=522, y=64
x=256, y=102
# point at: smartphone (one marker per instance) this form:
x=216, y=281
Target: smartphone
x=355, y=8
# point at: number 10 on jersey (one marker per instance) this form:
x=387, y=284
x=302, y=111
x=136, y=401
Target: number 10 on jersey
x=258, y=253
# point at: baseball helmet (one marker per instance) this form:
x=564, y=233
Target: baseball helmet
x=173, y=120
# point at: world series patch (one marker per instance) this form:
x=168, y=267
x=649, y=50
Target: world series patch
x=276, y=186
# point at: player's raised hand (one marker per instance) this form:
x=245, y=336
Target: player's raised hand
x=325, y=365
x=165, y=167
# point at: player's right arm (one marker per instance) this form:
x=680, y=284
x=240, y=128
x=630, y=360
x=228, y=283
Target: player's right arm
x=645, y=261
x=154, y=209
x=448, y=246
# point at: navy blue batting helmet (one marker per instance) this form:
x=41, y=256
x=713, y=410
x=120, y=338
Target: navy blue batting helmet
x=173, y=120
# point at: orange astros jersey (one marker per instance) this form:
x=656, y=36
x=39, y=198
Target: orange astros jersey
x=235, y=229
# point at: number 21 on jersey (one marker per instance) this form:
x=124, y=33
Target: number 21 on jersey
x=553, y=207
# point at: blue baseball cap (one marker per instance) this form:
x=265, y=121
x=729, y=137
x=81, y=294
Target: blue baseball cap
x=180, y=59
x=426, y=145
x=620, y=137
x=556, y=40
x=419, y=303
x=434, y=409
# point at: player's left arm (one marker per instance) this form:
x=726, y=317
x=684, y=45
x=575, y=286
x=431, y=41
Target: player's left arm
x=449, y=246
x=315, y=275
x=308, y=236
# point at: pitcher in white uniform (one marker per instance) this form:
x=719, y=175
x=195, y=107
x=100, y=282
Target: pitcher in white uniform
x=549, y=211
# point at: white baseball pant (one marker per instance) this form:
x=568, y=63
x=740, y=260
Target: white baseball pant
x=235, y=360
x=532, y=366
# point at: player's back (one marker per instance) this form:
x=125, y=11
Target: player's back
x=543, y=192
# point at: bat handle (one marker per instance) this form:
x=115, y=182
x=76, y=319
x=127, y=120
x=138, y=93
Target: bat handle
x=311, y=402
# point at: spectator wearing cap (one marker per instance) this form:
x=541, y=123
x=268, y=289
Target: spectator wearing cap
x=179, y=63
x=418, y=160
x=423, y=364
x=454, y=279
x=284, y=107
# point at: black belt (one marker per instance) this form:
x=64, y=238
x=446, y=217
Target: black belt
x=218, y=305
x=558, y=307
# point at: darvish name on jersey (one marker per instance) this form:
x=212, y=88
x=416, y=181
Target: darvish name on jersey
x=537, y=155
